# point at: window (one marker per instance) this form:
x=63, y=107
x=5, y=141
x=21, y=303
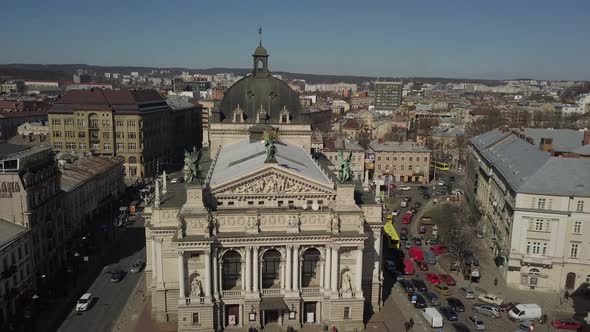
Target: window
x=131, y=123
x=574, y=250
x=195, y=318
x=535, y=248
x=250, y=203
x=387, y=167
x=94, y=134
x=580, y=206
x=81, y=123
x=403, y=158
x=95, y=146
x=379, y=167
x=410, y=168
x=106, y=135
x=549, y=204
x=394, y=168
x=260, y=202
x=70, y=134
x=541, y=203
x=346, y=312
x=394, y=158
x=379, y=158
x=106, y=123
x=82, y=146
x=120, y=146
x=403, y=168
x=68, y=122
x=93, y=123
x=57, y=133
x=107, y=146
x=119, y=123
x=533, y=202
x=57, y=145
x=409, y=158
x=120, y=134
x=81, y=134
x=387, y=158
x=132, y=146
x=577, y=227
x=539, y=223
x=131, y=135
x=56, y=122
x=70, y=145
x=230, y=203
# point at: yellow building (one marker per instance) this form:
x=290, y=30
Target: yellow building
x=137, y=125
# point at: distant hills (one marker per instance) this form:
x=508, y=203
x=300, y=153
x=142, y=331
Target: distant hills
x=64, y=73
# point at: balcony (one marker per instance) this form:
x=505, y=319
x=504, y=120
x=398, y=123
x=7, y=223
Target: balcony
x=271, y=291
x=231, y=293
x=310, y=291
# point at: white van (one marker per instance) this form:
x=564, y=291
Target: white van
x=433, y=317
x=525, y=311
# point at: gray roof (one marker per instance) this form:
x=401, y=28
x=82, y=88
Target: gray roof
x=515, y=159
x=560, y=177
x=447, y=132
x=563, y=139
x=10, y=232
x=486, y=139
x=238, y=159
x=583, y=150
x=178, y=102
x=394, y=146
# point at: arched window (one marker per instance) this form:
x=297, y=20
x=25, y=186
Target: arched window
x=239, y=115
x=309, y=274
x=133, y=160
x=271, y=264
x=231, y=270
x=285, y=116
x=261, y=116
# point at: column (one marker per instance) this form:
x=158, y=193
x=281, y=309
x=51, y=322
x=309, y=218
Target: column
x=327, y=267
x=215, y=274
x=208, y=273
x=159, y=261
x=248, y=276
x=282, y=274
x=181, y=287
x=334, y=271
x=359, y=269
x=154, y=276
x=289, y=269
x=322, y=263
x=256, y=268
x=296, y=268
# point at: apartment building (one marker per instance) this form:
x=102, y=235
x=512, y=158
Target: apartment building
x=334, y=144
x=535, y=209
x=400, y=161
x=137, y=125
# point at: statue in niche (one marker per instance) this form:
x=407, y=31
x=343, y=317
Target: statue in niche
x=196, y=287
x=346, y=282
x=334, y=222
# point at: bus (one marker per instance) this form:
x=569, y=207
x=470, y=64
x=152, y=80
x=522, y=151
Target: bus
x=441, y=166
x=391, y=236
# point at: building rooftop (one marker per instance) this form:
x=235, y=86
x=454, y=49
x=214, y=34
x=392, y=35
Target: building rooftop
x=560, y=177
x=118, y=100
x=338, y=142
x=85, y=168
x=564, y=140
x=10, y=232
x=447, y=132
x=395, y=146
x=238, y=159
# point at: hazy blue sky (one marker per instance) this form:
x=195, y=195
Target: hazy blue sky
x=475, y=39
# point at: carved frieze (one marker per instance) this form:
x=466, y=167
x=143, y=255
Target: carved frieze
x=272, y=184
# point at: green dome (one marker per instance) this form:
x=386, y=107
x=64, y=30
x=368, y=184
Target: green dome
x=260, y=51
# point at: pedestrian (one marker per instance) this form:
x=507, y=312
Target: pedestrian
x=496, y=282
x=566, y=295
x=411, y=322
x=407, y=326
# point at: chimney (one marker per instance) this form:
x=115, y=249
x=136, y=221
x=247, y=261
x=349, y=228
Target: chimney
x=546, y=144
x=529, y=140
x=586, y=139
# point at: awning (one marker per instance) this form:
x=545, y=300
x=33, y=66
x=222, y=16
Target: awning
x=273, y=303
x=390, y=231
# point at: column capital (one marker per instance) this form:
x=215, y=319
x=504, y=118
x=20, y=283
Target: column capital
x=180, y=252
x=207, y=251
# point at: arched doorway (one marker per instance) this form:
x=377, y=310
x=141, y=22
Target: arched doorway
x=310, y=276
x=231, y=270
x=570, y=281
x=271, y=267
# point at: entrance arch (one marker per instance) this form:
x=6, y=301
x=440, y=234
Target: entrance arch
x=570, y=281
x=309, y=274
x=271, y=266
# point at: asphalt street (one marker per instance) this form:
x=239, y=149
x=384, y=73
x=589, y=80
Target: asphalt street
x=110, y=297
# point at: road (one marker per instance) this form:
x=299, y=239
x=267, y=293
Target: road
x=110, y=298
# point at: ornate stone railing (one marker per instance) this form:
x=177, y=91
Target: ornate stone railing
x=310, y=291
x=348, y=294
x=271, y=291
x=231, y=293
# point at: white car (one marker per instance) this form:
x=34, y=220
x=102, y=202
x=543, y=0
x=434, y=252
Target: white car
x=491, y=298
x=395, y=213
x=84, y=302
x=176, y=180
x=406, y=188
x=441, y=183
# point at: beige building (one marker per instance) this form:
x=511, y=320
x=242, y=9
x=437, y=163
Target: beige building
x=263, y=242
x=30, y=197
x=334, y=143
x=16, y=270
x=535, y=217
x=137, y=125
x=91, y=187
x=399, y=162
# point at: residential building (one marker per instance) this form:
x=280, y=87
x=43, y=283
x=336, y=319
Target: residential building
x=16, y=270
x=535, y=210
x=399, y=162
x=351, y=128
x=31, y=198
x=12, y=87
x=388, y=95
x=267, y=241
x=41, y=86
x=137, y=125
x=15, y=113
x=334, y=144
x=368, y=118
x=518, y=117
x=92, y=186
x=88, y=86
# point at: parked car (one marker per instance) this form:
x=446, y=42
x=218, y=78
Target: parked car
x=441, y=289
x=431, y=242
x=418, y=301
x=468, y=293
x=417, y=241
x=117, y=275
x=406, y=285
x=423, y=188
x=403, y=236
x=490, y=310
x=566, y=324
x=432, y=278
x=417, y=205
x=477, y=323
x=405, y=188
x=441, y=183
x=525, y=311
x=507, y=306
x=407, y=199
x=470, y=259
x=430, y=257
x=395, y=213
x=491, y=298
x=137, y=266
x=414, y=210
x=456, y=304
x=433, y=317
x=84, y=302
x=426, y=196
x=451, y=178
x=408, y=244
x=439, y=249
x=447, y=279
x=432, y=298
x=460, y=327
x=176, y=180
x=448, y=313
x=419, y=285
x=422, y=265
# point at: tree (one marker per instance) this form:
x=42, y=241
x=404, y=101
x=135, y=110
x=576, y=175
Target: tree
x=456, y=228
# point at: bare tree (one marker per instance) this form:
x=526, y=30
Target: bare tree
x=456, y=228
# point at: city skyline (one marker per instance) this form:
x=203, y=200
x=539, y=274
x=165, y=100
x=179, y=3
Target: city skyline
x=429, y=39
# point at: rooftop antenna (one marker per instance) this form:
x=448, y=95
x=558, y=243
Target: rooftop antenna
x=260, y=35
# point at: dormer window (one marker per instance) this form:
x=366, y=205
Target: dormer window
x=262, y=116
x=239, y=115
x=285, y=116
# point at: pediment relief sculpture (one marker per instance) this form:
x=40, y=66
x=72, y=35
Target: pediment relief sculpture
x=272, y=184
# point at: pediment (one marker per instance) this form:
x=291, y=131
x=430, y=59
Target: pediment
x=272, y=182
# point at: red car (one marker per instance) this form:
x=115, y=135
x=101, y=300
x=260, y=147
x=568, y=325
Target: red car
x=432, y=278
x=447, y=279
x=407, y=218
x=439, y=249
x=566, y=324
x=422, y=265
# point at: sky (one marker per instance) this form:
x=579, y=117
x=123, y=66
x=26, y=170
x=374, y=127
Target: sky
x=483, y=39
